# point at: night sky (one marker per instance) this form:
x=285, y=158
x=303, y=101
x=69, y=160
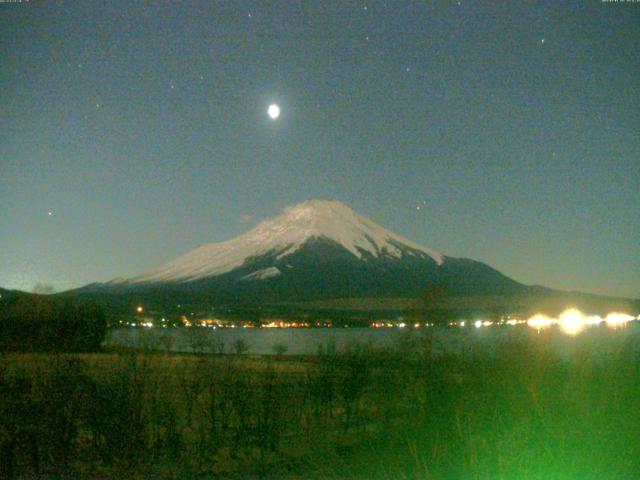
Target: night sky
x=132, y=132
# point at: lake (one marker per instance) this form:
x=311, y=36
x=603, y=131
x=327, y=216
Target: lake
x=307, y=341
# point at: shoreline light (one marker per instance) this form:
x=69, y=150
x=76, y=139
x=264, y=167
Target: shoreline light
x=540, y=321
x=616, y=319
x=572, y=321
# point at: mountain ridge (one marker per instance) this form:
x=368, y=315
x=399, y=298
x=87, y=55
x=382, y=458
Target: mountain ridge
x=285, y=234
x=316, y=251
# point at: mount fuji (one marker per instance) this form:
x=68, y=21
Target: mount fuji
x=330, y=223
x=317, y=250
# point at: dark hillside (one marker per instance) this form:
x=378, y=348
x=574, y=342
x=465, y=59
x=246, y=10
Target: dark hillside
x=38, y=323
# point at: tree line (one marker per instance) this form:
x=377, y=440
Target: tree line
x=38, y=323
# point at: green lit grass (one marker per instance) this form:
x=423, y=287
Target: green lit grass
x=511, y=409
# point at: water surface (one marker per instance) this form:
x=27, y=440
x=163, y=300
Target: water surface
x=307, y=341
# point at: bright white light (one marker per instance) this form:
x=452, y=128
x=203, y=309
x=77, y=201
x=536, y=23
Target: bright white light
x=572, y=321
x=273, y=111
x=478, y=323
x=615, y=319
x=539, y=321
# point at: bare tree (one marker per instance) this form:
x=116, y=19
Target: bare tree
x=197, y=337
x=240, y=346
x=216, y=343
x=43, y=288
x=167, y=342
x=279, y=349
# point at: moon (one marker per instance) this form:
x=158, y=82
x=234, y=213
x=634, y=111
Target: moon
x=273, y=111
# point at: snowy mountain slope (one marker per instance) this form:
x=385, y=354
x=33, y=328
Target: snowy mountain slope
x=318, y=251
x=262, y=274
x=286, y=234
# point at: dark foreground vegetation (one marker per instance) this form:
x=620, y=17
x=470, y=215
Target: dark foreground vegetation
x=516, y=411
x=41, y=323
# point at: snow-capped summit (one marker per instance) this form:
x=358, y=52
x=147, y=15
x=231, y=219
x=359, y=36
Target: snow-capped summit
x=282, y=236
x=320, y=256
x=317, y=251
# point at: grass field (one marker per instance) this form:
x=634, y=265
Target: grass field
x=515, y=411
